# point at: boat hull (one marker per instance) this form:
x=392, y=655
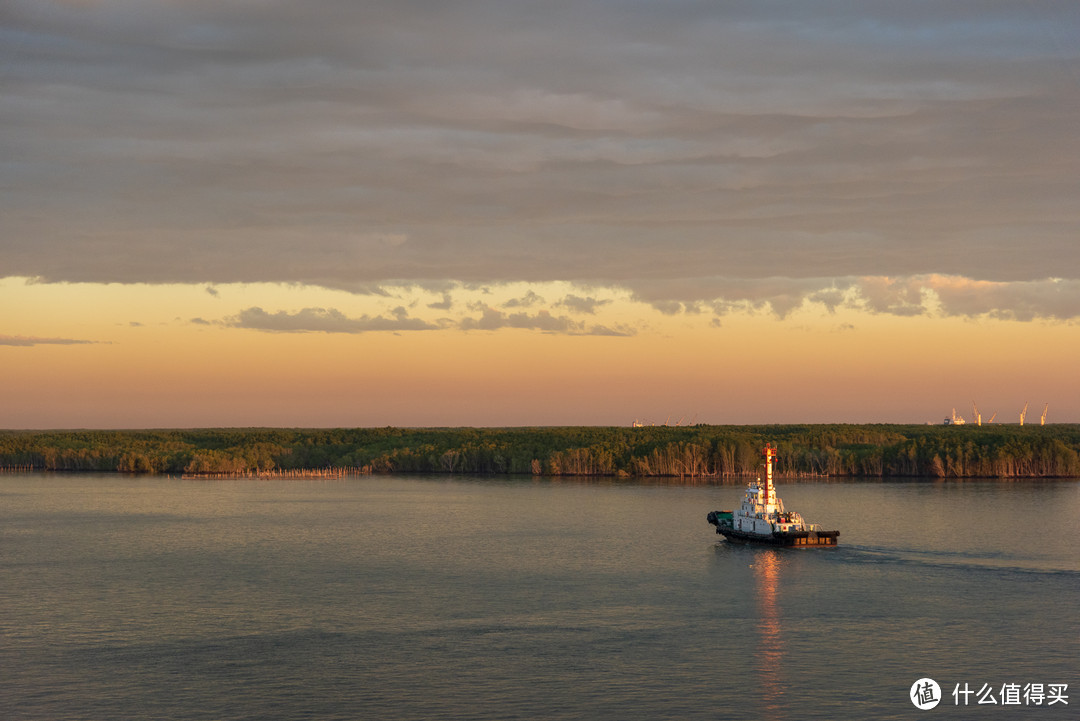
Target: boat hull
x=788, y=539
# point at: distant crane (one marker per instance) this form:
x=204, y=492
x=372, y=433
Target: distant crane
x=976, y=415
x=1042, y=421
x=1023, y=413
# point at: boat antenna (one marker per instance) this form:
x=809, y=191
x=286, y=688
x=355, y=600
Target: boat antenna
x=770, y=454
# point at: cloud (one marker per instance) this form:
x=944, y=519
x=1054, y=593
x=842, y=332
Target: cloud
x=582, y=305
x=374, y=143
x=323, y=320
x=721, y=295
x=19, y=340
x=445, y=304
x=930, y=295
x=1052, y=298
x=493, y=319
x=895, y=296
x=706, y=160
x=526, y=301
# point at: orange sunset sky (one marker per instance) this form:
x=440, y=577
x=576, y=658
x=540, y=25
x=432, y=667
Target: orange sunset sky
x=521, y=213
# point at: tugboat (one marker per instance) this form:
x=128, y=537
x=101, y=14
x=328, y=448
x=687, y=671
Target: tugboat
x=762, y=519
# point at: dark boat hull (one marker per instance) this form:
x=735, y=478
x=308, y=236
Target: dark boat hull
x=790, y=539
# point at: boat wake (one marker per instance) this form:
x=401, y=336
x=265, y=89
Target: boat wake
x=975, y=560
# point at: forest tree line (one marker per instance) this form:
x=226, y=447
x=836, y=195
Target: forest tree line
x=700, y=451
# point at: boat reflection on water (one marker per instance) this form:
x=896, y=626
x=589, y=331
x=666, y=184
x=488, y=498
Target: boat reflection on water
x=769, y=653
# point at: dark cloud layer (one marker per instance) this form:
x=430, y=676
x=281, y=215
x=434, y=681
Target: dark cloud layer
x=633, y=143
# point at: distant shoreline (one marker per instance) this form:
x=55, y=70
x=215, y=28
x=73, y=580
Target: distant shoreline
x=684, y=452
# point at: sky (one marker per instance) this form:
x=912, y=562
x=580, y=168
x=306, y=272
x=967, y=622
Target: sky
x=509, y=212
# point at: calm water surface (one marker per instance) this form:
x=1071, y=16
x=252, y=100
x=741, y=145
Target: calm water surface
x=434, y=598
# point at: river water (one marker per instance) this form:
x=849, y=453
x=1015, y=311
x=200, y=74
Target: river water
x=481, y=598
